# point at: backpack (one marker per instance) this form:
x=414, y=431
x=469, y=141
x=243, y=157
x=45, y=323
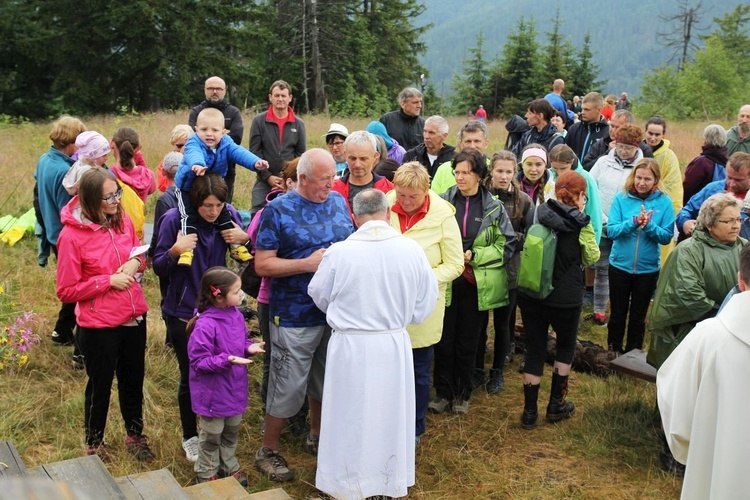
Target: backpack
x=537, y=261
x=720, y=172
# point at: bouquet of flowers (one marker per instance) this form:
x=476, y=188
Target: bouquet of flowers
x=16, y=333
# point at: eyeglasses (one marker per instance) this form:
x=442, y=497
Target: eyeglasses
x=625, y=147
x=737, y=221
x=585, y=199
x=336, y=144
x=113, y=198
x=180, y=145
x=215, y=89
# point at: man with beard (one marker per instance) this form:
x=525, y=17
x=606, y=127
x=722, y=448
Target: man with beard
x=738, y=137
x=216, y=92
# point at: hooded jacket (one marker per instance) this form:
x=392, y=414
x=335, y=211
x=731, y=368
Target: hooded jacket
x=636, y=250
x=89, y=255
x=548, y=137
x=693, y=206
x=341, y=186
x=139, y=178
x=700, y=171
x=698, y=274
x=184, y=281
x=215, y=159
x=734, y=143
x=671, y=175
x=576, y=247
x=493, y=246
x=406, y=129
x=582, y=134
x=600, y=147
x=520, y=222
x=218, y=388
x=438, y=235
x=593, y=206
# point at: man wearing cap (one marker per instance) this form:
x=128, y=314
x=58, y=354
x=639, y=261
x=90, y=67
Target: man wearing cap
x=395, y=150
x=216, y=92
x=334, y=138
x=277, y=136
x=362, y=155
x=405, y=124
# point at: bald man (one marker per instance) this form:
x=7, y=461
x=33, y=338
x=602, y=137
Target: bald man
x=558, y=101
x=216, y=97
x=738, y=137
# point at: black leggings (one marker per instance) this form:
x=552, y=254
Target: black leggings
x=108, y=352
x=189, y=217
x=537, y=318
x=176, y=331
x=504, y=319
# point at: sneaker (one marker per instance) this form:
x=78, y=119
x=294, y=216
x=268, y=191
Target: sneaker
x=597, y=318
x=102, y=451
x=417, y=440
x=186, y=258
x=240, y=253
x=311, y=444
x=439, y=405
x=78, y=362
x=460, y=406
x=200, y=480
x=273, y=465
x=62, y=340
x=138, y=446
x=191, y=448
x=240, y=476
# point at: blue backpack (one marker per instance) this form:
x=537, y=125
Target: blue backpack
x=720, y=172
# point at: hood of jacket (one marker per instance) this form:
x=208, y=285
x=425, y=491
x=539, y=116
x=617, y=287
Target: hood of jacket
x=516, y=124
x=560, y=217
x=715, y=154
x=72, y=215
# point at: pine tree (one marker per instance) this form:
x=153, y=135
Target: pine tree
x=470, y=89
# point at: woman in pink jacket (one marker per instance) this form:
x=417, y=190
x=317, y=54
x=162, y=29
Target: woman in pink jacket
x=97, y=270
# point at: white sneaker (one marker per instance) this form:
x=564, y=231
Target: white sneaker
x=191, y=448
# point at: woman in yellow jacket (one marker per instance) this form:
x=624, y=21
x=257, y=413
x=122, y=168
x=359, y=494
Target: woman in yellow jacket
x=423, y=216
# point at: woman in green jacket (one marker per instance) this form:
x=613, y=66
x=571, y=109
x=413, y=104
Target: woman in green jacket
x=423, y=216
x=487, y=243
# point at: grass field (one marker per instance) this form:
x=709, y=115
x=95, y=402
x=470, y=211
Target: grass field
x=607, y=450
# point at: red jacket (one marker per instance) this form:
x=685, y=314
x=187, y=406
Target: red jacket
x=341, y=186
x=88, y=255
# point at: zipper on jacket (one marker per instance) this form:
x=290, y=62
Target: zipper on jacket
x=466, y=216
x=635, y=254
x=119, y=260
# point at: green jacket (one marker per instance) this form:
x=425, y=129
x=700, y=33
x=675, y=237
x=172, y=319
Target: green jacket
x=698, y=274
x=734, y=143
x=492, y=248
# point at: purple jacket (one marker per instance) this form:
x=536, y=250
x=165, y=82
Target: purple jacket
x=218, y=388
x=184, y=281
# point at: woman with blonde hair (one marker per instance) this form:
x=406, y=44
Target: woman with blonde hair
x=177, y=138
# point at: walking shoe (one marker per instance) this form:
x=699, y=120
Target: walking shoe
x=62, y=340
x=417, y=440
x=186, y=258
x=102, y=451
x=273, y=465
x=191, y=448
x=240, y=476
x=200, y=480
x=439, y=405
x=138, y=446
x=497, y=382
x=311, y=444
x=460, y=406
x=240, y=253
x=78, y=362
x=597, y=318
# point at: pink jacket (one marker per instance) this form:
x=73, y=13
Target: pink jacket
x=88, y=255
x=141, y=179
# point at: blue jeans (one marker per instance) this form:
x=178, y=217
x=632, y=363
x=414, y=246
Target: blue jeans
x=422, y=361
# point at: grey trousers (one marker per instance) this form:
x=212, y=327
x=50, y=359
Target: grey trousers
x=217, y=443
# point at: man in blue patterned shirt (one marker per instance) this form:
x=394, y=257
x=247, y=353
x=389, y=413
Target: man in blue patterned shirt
x=295, y=230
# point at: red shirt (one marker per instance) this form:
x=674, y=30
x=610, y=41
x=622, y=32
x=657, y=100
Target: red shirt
x=271, y=117
x=407, y=221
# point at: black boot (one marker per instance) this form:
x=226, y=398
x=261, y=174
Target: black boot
x=530, y=413
x=477, y=378
x=559, y=409
x=496, y=383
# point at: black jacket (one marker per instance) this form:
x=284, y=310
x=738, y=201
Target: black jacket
x=583, y=134
x=600, y=147
x=420, y=154
x=407, y=130
x=549, y=137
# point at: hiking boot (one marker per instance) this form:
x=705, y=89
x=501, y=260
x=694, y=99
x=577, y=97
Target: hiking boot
x=240, y=476
x=62, y=340
x=559, y=409
x=530, y=413
x=201, y=480
x=78, y=362
x=311, y=444
x=191, y=448
x=460, y=406
x=496, y=383
x=478, y=378
x=273, y=465
x=102, y=451
x=240, y=253
x=298, y=425
x=439, y=405
x=138, y=446
x=186, y=258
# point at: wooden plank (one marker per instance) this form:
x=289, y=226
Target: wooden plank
x=634, y=363
x=88, y=474
x=224, y=489
x=274, y=494
x=156, y=484
x=11, y=464
x=33, y=487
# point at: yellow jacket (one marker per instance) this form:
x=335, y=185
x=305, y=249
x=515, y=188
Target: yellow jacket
x=438, y=234
x=133, y=205
x=671, y=184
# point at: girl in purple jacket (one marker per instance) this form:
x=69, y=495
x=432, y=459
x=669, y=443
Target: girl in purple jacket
x=217, y=348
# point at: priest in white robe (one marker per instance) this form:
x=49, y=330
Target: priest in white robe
x=704, y=400
x=371, y=286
